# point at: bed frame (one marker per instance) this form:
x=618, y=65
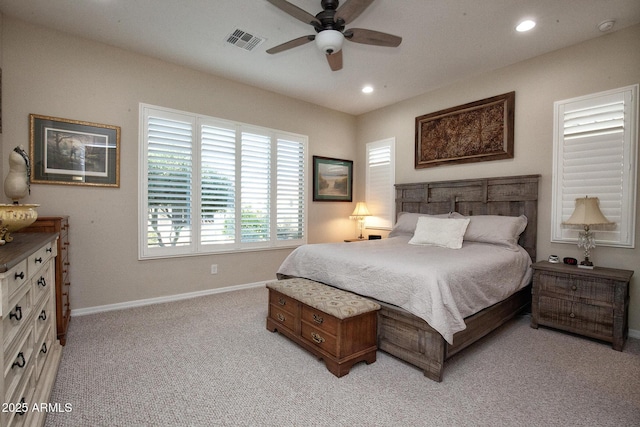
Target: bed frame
x=410, y=338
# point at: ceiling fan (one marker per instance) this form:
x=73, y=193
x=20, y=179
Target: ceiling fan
x=330, y=28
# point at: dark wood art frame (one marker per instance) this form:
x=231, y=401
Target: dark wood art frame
x=73, y=152
x=326, y=188
x=474, y=132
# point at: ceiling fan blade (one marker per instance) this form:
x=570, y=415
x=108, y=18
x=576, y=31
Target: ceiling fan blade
x=351, y=9
x=376, y=38
x=291, y=44
x=295, y=11
x=335, y=60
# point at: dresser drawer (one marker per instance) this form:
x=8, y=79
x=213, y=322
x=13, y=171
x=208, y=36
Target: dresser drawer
x=576, y=317
x=16, y=277
x=320, y=320
x=43, y=345
x=40, y=257
x=42, y=283
x=44, y=314
x=19, y=310
x=282, y=317
x=16, y=364
x=585, y=289
x=23, y=396
x=320, y=338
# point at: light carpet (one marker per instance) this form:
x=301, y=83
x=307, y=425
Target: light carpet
x=210, y=361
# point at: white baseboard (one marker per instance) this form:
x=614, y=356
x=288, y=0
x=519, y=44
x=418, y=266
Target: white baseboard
x=634, y=333
x=160, y=300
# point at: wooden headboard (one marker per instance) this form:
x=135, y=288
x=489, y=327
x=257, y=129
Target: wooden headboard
x=510, y=196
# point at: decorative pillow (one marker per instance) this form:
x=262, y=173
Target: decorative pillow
x=407, y=221
x=445, y=232
x=496, y=229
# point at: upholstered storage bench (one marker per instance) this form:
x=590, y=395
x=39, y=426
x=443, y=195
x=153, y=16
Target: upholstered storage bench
x=336, y=326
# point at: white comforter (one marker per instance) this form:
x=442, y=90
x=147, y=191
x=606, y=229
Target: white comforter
x=441, y=286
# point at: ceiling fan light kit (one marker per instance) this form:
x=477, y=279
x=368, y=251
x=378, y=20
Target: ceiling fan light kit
x=330, y=28
x=329, y=41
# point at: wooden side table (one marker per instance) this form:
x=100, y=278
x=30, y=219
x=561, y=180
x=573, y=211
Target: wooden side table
x=593, y=303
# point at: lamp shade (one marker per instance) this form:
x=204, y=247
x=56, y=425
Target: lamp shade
x=587, y=212
x=360, y=210
x=329, y=41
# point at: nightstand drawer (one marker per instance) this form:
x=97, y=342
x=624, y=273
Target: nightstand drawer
x=576, y=317
x=585, y=289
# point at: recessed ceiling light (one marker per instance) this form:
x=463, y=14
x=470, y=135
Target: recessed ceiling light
x=367, y=89
x=525, y=25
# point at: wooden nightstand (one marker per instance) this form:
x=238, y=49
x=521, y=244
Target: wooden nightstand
x=592, y=303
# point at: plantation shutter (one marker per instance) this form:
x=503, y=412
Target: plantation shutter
x=218, y=177
x=169, y=145
x=290, y=195
x=255, y=187
x=594, y=156
x=380, y=179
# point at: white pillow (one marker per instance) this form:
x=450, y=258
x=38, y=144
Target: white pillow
x=496, y=229
x=407, y=221
x=445, y=232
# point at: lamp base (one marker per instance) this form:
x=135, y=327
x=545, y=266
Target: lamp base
x=588, y=267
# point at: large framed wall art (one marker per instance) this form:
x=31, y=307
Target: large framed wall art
x=73, y=152
x=332, y=179
x=474, y=132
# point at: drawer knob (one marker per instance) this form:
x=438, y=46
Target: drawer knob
x=317, y=338
x=20, y=361
x=43, y=350
x=38, y=260
x=17, y=315
x=572, y=315
x=282, y=301
x=42, y=282
x=49, y=250
x=281, y=317
x=574, y=288
x=19, y=275
x=318, y=319
x=43, y=315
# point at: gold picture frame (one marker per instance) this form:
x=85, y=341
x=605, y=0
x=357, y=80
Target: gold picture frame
x=73, y=152
x=474, y=132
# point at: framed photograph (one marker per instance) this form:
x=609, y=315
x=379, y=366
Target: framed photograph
x=474, y=132
x=72, y=152
x=332, y=179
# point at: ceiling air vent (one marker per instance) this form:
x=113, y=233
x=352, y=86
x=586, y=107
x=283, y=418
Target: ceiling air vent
x=244, y=40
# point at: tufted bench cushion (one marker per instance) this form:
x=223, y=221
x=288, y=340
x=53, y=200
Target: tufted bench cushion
x=336, y=302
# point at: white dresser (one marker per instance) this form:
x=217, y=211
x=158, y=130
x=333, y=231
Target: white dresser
x=30, y=350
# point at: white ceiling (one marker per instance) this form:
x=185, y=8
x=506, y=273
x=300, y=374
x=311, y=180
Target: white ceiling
x=443, y=40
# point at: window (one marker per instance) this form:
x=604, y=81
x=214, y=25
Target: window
x=209, y=185
x=380, y=180
x=595, y=155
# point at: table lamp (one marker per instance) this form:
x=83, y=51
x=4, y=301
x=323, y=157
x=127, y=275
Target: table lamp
x=586, y=214
x=360, y=213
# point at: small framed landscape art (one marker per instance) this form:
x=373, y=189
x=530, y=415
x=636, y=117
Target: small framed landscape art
x=474, y=132
x=332, y=179
x=72, y=152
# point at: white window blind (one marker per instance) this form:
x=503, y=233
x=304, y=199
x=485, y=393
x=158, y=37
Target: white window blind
x=210, y=185
x=595, y=155
x=380, y=180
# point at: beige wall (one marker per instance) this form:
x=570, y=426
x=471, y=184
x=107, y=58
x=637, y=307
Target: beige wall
x=608, y=62
x=50, y=73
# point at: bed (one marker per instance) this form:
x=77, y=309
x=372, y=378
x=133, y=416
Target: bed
x=392, y=272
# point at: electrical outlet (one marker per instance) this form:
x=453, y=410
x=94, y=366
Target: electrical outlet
x=214, y=268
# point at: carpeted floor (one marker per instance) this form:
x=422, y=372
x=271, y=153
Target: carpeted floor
x=210, y=362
